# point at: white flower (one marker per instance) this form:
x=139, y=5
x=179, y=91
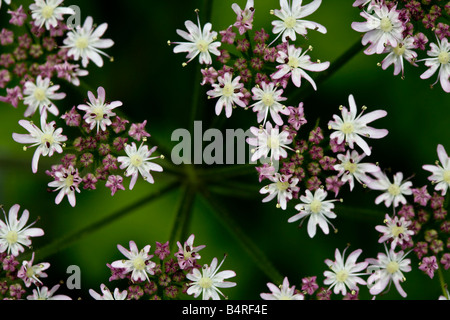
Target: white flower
x=269, y=140
x=350, y=126
x=48, y=12
x=440, y=173
x=282, y=187
x=439, y=59
x=66, y=181
x=40, y=95
x=291, y=14
x=283, y=292
x=244, y=19
x=48, y=139
x=397, y=55
x=138, y=263
x=209, y=280
x=84, y=42
x=8, y=2
x=350, y=168
x=42, y=293
x=269, y=101
x=382, y=28
x=363, y=3
x=199, y=42
x=228, y=90
x=388, y=268
x=293, y=62
x=98, y=112
x=394, y=192
x=396, y=230
x=138, y=162
x=188, y=254
x=107, y=295
x=317, y=208
x=344, y=273
x=30, y=273
x=13, y=233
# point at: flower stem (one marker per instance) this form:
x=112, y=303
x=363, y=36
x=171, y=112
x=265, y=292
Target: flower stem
x=443, y=284
x=65, y=241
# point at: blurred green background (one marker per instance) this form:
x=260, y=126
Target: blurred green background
x=150, y=81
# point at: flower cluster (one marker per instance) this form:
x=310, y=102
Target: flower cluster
x=404, y=31
x=165, y=276
x=21, y=277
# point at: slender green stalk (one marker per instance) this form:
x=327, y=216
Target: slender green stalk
x=63, y=242
x=444, y=287
x=258, y=256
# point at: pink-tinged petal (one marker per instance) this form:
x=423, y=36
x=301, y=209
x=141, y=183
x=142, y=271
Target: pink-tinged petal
x=375, y=133
x=35, y=160
x=23, y=138
x=432, y=70
x=100, y=30
x=316, y=67
x=310, y=8
x=101, y=95
x=442, y=155
x=34, y=232
x=314, y=25
x=444, y=79
x=372, y=116
x=59, y=196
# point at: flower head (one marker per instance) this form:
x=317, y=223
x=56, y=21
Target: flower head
x=209, y=280
x=351, y=127
x=107, y=295
x=67, y=181
x=429, y=265
x=283, y=187
x=394, y=192
x=396, y=230
x=268, y=101
x=40, y=95
x=439, y=58
x=30, y=273
x=187, y=254
x=48, y=12
x=397, y=55
x=283, y=292
x=228, y=90
x=43, y=293
x=440, y=173
x=244, y=19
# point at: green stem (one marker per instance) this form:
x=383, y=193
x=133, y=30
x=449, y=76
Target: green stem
x=244, y=240
x=65, y=241
x=443, y=284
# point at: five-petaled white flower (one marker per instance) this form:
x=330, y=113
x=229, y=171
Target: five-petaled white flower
x=138, y=263
x=394, y=192
x=282, y=187
x=48, y=139
x=107, y=295
x=199, y=42
x=283, y=292
x=228, y=90
x=350, y=168
x=67, y=181
x=397, y=55
x=350, y=126
x=43, y=293
x=48, y=12
x=345, y=273
x=208, y=280
x=187, y=254
x=291, y=22
x=269, y=140
x=317, y=208
x=293, y=62
x=84, y=43
x=30, y=273
x=13, y=233
x=396, y=230
x=440, y=173
x=387, y=268
x=268, y=101
x=137, y=161
x=99, y=112
x=39, y=95
x=439, y=59
x=382, y=28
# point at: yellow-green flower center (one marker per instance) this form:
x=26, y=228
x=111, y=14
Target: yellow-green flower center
x=394, y=190
x=39, y=94
x=81, y=43
x=98, y=111
x=386, y=25
x=447, y=176
x=202, y=45
x=228, y=90
x=350, y=167
x=293, y=62
x=47, y=139
x=139, y=263
x=30, y=272
x=290, y=22
x=47, y=12
x=282, y=186
x=205, y=283
x=392, y=267
x=11, y=237
x=273, y=143
x=315, y=206
x=347, y=128
x=396, y=230
x=444, y=57
x=267, y=99
x=69, y=180
x=399, y=50
x=341, y=276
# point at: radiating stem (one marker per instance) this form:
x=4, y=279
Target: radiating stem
x=443, y=284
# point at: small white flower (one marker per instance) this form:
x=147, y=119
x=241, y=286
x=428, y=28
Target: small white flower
x=107, y=295
x=138, y=263
x=98, y=112
x=388, y=268
x=209, y=280
x=394, y=192
x=187, y=254
x=228, y=90
x=440, y=173
x=42, y=293
x=283, y=292
x=67, y=181
x=345, y=273
x=30, y=273
x=13, y=233
x=48, y=12
x=382, y=28
x=350, y=127
x=40, y=95
x=282, y=187
x=317, y=208
x=350, y=168
x=137, y=161
x=439, y=59
x=84, y=42
x=269, y=101
x=293, y=62
x=269, y=140
x=199, y=42
x=396, y=230
x=397, y=55
x=48, y=139
x=291, y=14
